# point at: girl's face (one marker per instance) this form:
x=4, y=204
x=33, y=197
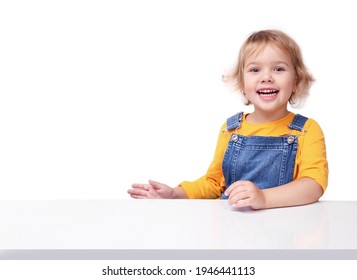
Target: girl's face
x=269, y=80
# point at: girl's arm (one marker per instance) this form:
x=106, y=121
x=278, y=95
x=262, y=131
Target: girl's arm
x=299, y=192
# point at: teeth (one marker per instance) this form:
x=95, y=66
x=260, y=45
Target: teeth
x=267, y=92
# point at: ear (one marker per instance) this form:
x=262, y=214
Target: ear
x=245, y=99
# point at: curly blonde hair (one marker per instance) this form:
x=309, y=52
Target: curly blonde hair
x=255, y=43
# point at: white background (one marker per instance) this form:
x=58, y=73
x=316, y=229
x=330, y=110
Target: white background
x=96, y=95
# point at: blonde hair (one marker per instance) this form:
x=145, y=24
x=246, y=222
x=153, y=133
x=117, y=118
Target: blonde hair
x=255, y=43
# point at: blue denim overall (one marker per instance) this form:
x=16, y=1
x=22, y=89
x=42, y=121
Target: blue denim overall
x=267, y=161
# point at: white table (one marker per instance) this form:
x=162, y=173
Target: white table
x=113, y=228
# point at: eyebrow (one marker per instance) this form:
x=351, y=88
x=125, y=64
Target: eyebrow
x=274, y=62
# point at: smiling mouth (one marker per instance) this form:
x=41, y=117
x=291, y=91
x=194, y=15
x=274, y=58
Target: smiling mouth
x=267, y=92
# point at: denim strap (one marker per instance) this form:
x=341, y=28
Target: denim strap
x=234, y=121
x=298, y=123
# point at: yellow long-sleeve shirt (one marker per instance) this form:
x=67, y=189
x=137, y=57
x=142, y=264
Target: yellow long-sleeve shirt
x=310, y=160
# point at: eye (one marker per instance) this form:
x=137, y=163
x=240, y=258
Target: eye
x=253, y=69
x=279, y=69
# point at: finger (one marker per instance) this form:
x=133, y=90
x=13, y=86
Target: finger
x=155, y=184
x=238, y=186
x=138, y=192
x=152, y=193
x=140, y=186
x=237, y=197
x=241, y=203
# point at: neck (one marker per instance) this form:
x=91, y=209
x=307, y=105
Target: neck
x=264, y=117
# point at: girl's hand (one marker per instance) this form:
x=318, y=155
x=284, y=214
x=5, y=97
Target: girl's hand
x=245, y=193
x=152, y=190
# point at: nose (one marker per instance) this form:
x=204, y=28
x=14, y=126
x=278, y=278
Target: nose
x=267, y=77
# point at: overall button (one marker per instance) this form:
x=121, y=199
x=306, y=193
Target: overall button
x=291, y=139
x=234, y=137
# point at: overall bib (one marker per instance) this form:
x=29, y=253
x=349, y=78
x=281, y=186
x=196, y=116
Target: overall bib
x=267, y=161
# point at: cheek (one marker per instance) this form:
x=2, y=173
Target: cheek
x=293, y=82
x=295, y=86
x=248, y=83
x=290, y=85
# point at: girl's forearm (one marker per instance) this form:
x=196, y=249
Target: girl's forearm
x=299, y=192
x=178, y=193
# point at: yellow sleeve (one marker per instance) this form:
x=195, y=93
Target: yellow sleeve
x=312, y=160
x=212, y=184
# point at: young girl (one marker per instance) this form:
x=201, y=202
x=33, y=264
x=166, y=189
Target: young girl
x=270, y=157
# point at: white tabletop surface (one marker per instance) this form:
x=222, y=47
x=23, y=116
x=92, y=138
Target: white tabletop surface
x=174, y=224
